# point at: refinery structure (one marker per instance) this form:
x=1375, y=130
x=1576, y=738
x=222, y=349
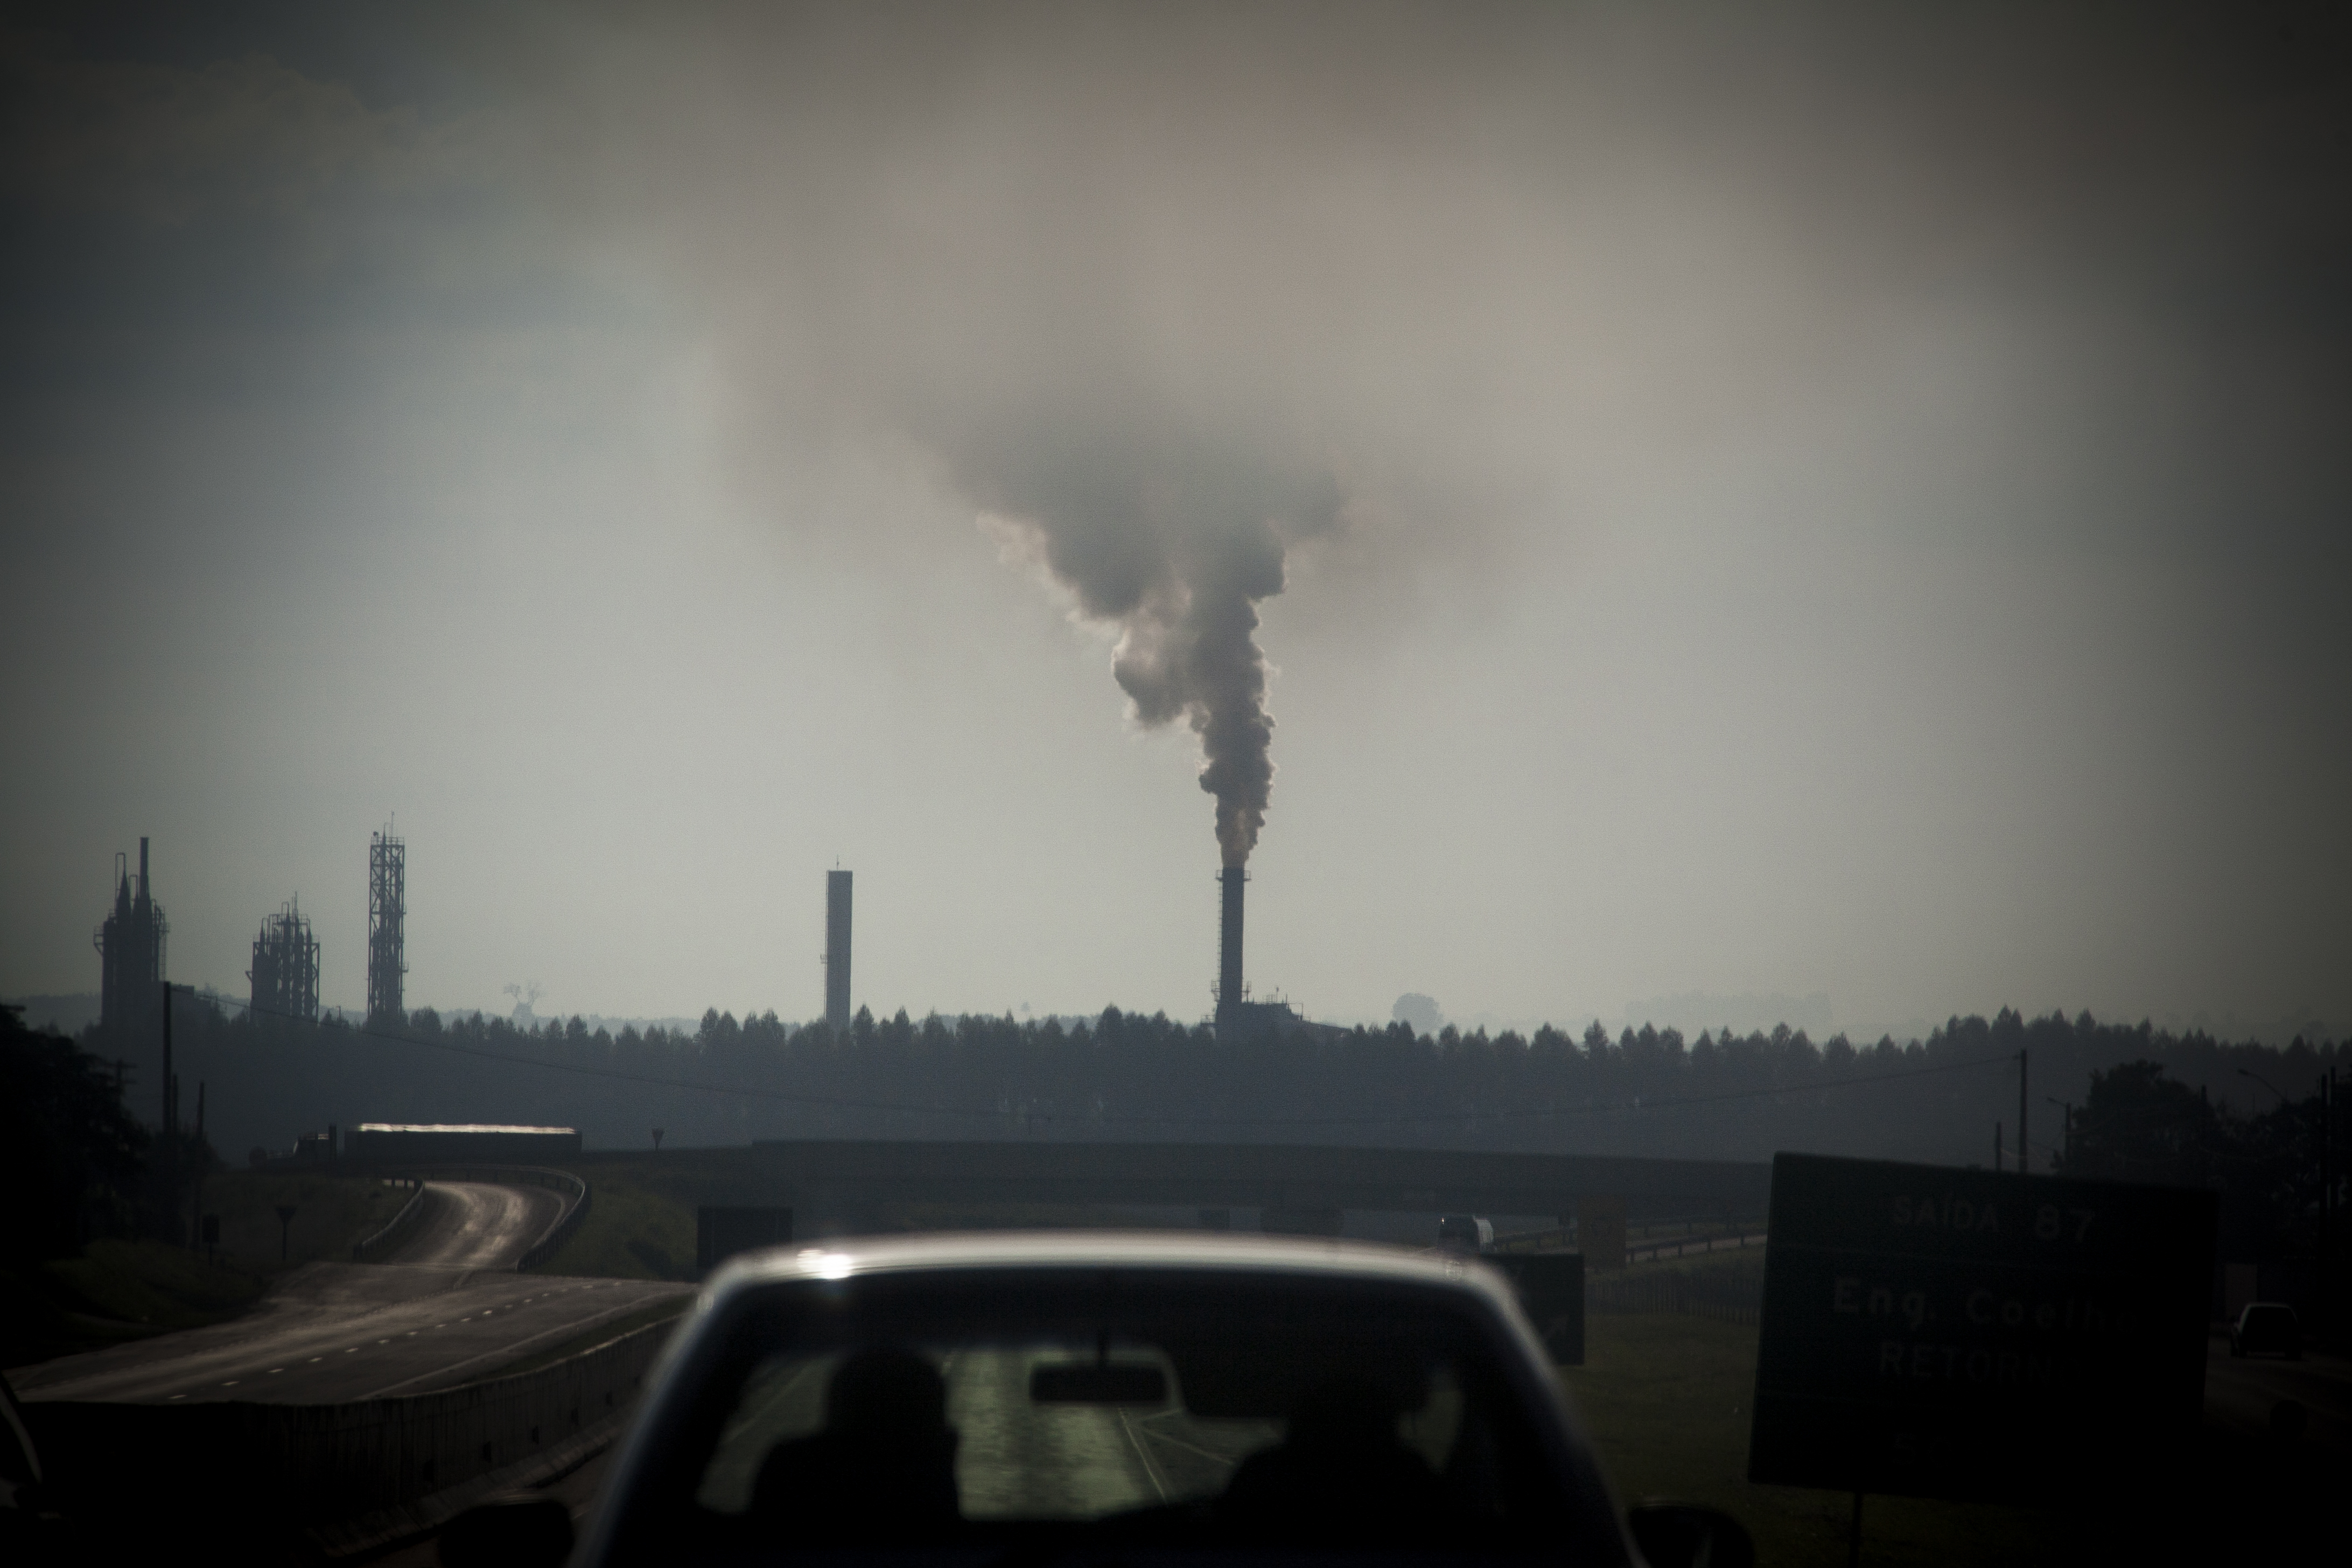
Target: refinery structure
x=130, y=945
x=285, y=968
x=285, y=973
x=387, y=924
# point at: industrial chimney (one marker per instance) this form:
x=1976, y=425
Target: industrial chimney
x=837, y=951
x=1230, y=990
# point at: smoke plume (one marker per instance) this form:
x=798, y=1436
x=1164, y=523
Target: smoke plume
x=1174, y=550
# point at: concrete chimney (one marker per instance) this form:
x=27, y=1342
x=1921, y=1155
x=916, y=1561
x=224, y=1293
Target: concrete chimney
x=836, y=951
x=1229, y=944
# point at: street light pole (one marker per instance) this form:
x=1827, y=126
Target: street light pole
x=171, y=1108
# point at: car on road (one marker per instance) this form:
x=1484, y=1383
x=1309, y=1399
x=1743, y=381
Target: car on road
x=1024, y=1399
x=2267, y=1328
x=1466, y=1233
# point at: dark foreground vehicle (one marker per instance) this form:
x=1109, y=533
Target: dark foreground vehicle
x=2267, y=1328
x=1022, y=1400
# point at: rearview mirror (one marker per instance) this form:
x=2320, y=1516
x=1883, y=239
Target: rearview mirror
x=1676, y=1535
x=1098, y=1384
x=522, y=1531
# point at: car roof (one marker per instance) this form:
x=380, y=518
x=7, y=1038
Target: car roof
x=850, y=1255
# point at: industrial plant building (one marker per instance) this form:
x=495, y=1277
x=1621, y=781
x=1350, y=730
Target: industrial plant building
x=129, y=943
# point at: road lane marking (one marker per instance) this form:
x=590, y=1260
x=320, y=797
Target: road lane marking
x=276, y=1369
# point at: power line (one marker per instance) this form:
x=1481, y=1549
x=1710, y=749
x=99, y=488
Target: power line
x=1637, y=1105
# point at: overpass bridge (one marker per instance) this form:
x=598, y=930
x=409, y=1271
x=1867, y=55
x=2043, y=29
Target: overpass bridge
x=835, y=1184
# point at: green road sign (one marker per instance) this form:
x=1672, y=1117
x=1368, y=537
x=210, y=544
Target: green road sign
x=1951, y=1333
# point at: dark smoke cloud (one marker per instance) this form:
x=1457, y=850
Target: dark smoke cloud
x=1172, y=292
x=1025, y=250
x=1175, y=549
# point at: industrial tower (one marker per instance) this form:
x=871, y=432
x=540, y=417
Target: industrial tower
x=837, y=951
x=387, y=906
x=1231, y=993
x=285, y=972
x=129, y=943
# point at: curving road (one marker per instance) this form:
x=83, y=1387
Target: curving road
x=478, y=1224
x=450, y=1309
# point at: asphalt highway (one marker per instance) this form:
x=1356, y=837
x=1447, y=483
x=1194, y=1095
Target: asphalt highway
x=451, y=1311
x=476, y=1225
x=2241, y=1395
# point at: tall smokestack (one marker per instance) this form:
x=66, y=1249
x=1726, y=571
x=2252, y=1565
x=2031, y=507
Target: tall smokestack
x=143, y=870
x=836, y=951
x=1229, y=943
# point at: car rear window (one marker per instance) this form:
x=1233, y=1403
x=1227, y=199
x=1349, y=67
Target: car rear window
x=1068, y=1430
x=1156, y=1412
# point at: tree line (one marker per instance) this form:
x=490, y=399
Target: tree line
x=1122, y=1075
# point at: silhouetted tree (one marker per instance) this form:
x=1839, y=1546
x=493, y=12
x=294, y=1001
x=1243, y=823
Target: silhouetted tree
x=71, y=1158
x=2139, y=1125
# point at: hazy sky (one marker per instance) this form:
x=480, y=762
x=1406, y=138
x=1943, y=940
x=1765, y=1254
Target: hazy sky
x=1845, y=500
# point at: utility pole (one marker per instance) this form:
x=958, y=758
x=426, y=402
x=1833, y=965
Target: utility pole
x=171, y=1111
x=2066, y=1128
x=2024, y=1150
x=2326, y=1199
x=196, y=1230
x=172, y=1107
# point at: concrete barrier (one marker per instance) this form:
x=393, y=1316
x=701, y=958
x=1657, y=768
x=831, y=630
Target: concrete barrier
x=395, y=1233
x=229, y=1471
x=547, y=1246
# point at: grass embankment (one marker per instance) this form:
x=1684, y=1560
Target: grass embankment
x=119, y=1290
x=1667, y=1402
x=640, y=1223
x=329, y=1214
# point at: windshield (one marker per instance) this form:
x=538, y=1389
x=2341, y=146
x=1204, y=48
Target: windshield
x=1180, y=1411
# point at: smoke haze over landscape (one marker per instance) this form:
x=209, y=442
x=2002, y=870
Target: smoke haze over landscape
x=1841, y=504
